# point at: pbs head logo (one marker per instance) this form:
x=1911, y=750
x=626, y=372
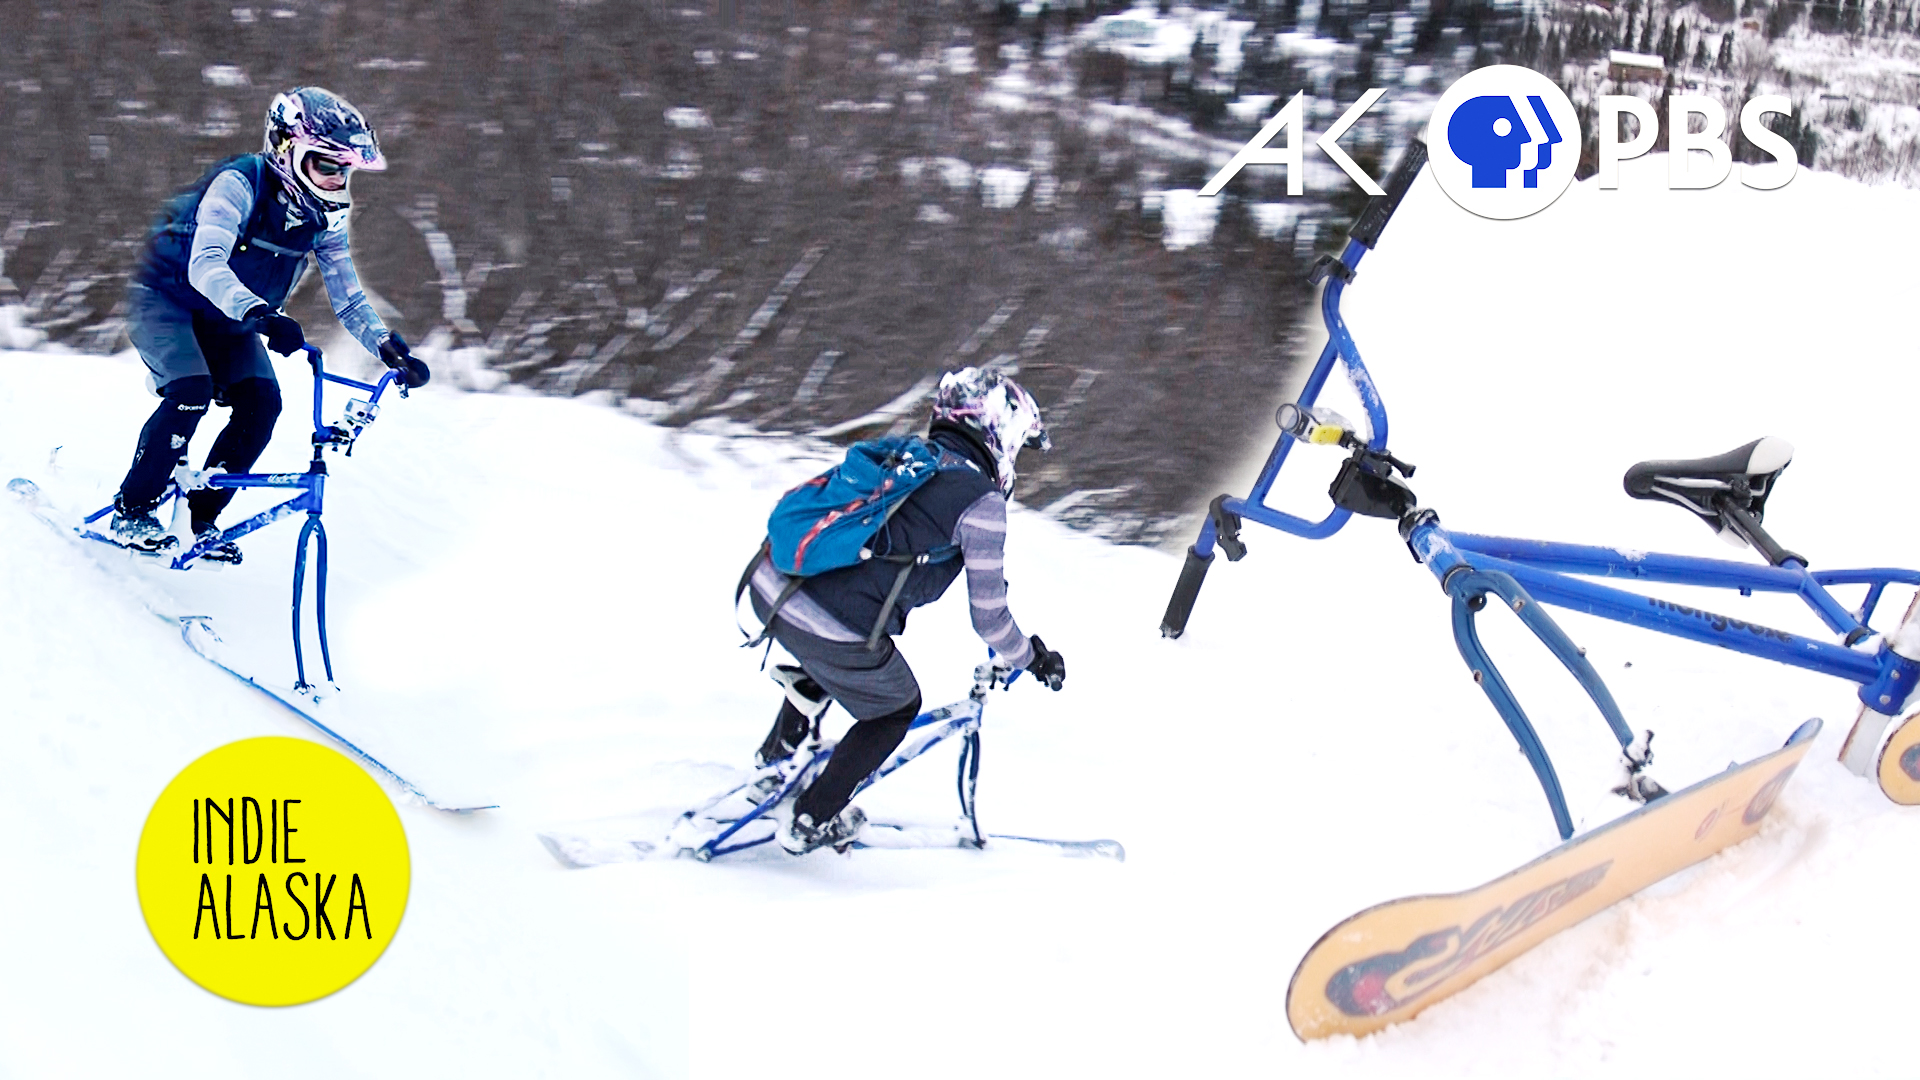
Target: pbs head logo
x=1504, y=142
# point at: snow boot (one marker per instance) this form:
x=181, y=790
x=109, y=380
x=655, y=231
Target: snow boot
x=766, y=787
x=801, y=835
x=138, y=529
x=223, y=552
x=799, y=718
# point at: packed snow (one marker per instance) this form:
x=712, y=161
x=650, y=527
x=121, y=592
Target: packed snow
x=529, y=605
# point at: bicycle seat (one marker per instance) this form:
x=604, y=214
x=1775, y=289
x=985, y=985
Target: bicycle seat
x=1744, y=475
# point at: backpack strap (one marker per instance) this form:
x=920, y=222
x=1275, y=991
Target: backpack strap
x=746, y=581
x=946, y=461
x=908, y=562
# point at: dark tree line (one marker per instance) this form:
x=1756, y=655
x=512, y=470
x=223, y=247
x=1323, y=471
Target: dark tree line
x=768, y=214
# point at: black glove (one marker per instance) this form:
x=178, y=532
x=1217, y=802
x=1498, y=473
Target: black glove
x=396, y=354
x=282, y=333
x=1048, y=667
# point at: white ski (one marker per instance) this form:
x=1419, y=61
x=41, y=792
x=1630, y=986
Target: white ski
x=581, y=849
x=197, y=633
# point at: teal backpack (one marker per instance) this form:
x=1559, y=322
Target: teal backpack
x=830, y=521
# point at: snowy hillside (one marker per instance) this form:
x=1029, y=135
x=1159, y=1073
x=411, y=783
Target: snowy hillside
x=529, y=606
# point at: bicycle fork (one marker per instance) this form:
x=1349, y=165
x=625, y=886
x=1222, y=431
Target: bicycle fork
x=313, y=530
x=1469, y=587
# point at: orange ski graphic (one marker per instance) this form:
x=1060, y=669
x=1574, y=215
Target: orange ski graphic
x=1391, y=961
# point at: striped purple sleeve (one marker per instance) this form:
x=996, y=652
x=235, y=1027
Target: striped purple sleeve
x=981, y=533
x=344, y=292
x=216, y=228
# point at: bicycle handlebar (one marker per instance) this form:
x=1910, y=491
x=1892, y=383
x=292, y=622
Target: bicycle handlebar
x=1373, y=220
x=388, y=377
x=323, y=431
x=993, y=674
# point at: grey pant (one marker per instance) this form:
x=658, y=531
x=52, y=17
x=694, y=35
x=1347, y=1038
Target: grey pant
x=868, y=683
x=176, y=343
x=196, y=360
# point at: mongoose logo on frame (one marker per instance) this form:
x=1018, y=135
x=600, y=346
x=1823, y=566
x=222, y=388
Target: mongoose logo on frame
x=1721, y=622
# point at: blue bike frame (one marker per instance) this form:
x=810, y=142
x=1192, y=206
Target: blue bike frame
x=311, y=500
x=928, y=730
x=1524, y=574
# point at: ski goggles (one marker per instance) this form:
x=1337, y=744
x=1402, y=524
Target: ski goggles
x=328, y=167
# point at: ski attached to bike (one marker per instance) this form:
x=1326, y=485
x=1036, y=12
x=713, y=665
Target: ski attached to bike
x=746, y=814
x=198, y=634
x=197, y=631
x=1391, y=961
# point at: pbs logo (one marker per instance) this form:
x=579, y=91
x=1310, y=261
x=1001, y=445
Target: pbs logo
x=1504, y=142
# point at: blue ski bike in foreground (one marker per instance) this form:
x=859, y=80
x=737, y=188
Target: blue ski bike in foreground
x=1386, y=964
x=747, y=815
x=1728, y=492
x=309, y=498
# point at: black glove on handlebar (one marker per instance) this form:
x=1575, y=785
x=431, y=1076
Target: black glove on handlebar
x=396, y=354
x=1047, y=667
x=282, y=333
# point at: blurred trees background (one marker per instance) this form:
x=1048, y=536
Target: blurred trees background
x=776, y=216
x=790, y=216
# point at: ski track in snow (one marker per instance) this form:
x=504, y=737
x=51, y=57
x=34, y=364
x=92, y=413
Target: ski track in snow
x=529, y=606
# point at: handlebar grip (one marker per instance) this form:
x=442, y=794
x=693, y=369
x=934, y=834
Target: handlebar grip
x=1193, y=574
x=1380, y=208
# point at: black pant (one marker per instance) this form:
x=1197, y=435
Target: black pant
x=196, y=361
x=163, y=442
x=866, y=747
x=874, y=682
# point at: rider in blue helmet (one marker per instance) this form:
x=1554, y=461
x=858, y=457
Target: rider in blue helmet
x=211, y=282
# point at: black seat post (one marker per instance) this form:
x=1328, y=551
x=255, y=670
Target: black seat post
x=1747, y=527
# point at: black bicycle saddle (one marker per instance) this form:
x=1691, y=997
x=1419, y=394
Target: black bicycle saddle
x=1743, y=476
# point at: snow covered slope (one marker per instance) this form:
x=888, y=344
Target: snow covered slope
x=530, y=606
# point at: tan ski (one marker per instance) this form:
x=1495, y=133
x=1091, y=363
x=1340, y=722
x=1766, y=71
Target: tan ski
x=1900, y=763
x=1391, y=961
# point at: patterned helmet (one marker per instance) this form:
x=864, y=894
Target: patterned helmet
x=309, y=128
x=998, y=410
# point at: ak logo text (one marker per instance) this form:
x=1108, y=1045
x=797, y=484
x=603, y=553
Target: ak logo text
x=1504, y=142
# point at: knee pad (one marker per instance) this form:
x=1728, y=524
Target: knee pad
x=256, y=404
x=163, y=440
x=807, y=696
x=189, y=394
x=256, y=400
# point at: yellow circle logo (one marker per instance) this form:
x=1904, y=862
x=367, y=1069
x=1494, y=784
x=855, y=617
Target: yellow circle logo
x=273, y=871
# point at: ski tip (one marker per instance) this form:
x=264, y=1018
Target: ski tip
x=582, y=853
x=559, y=849
x=1085, y=849
x=415, y=795
x=462, y=810
x=1100, y=849
x=1805, y=732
